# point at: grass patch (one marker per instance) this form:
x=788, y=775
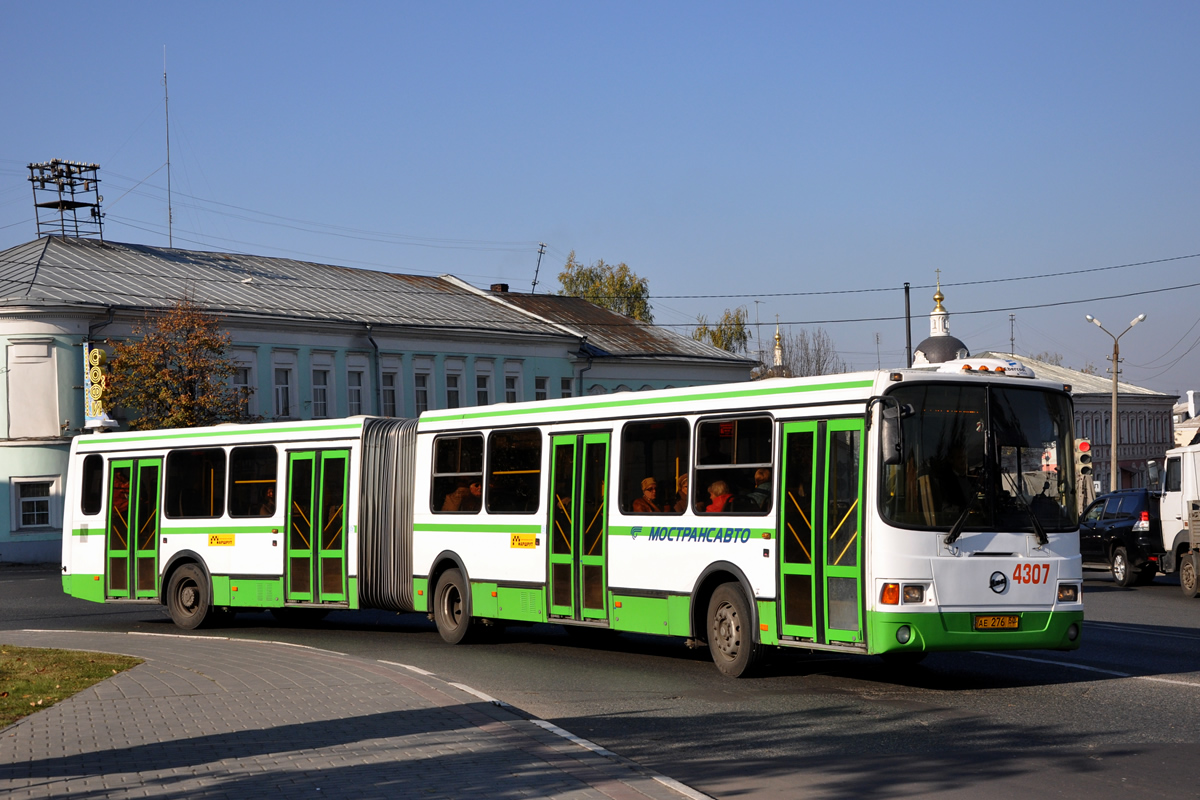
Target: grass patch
x=33, y=678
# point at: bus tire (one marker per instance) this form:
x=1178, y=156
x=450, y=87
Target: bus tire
x=730, y=632
x=1123, y=574
x=189, y=598
x=1188, y=569
x=450, y=612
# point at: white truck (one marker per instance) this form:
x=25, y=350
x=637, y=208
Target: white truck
x=1179, y=511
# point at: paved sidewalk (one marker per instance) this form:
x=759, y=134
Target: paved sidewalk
x=229, y=718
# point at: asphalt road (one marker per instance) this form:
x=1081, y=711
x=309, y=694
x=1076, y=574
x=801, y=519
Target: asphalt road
x=1120, y=717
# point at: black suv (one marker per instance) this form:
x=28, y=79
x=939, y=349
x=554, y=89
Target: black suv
x=1122, y=531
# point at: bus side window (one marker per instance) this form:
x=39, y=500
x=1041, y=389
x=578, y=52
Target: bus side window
x=92, y=485
x=733, y=466
x=457, y=474
x=196, y=483
x=514, y=472
x=654, y=458
x=252, y=481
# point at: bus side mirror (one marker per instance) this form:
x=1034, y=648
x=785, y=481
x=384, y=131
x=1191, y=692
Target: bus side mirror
x=1152, y=469
x=890, y=436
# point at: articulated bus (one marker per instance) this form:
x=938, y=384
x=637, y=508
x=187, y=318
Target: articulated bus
x=891, y=513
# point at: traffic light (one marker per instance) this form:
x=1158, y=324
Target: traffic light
x=1083, y=457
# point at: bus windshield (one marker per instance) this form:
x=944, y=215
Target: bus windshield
x=999, y=454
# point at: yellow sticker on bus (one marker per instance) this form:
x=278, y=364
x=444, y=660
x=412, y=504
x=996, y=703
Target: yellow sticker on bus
x=220, y=540
x=523, y=541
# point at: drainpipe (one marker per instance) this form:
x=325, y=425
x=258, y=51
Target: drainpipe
x=97, y=326
x=582, y=345
x=378, y=374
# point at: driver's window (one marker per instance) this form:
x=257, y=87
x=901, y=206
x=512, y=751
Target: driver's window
x=1093, y=513
x=1173, y=482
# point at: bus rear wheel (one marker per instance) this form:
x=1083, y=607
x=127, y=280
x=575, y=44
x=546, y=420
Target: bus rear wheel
x=450, y=612
x=730, y=631
x=189, y=600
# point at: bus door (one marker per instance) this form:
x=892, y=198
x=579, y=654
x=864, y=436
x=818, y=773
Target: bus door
x=579, y=527
x=820, y=562
x=315, y=555
x=131, y=532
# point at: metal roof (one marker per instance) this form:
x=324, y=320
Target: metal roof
x=58, y=271
x=610, y=333
x=1081, y=382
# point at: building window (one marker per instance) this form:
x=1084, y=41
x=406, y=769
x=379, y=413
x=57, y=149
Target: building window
x=245, y=381
x=354, y=391
x=357, y=384
x=512, y=382
x=454, y=384
x=283, y=392
x=33, y=503
x=421, y=392
x=483, y=383
x=422, y=385
x=387, y=383
x=565, y=387
x=320, y=393
x=283, y=368
x=540, y=390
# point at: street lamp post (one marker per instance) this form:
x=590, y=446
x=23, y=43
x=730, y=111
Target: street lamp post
x=1112, y=470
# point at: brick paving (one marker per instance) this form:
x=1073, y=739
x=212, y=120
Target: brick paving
x=208, y=717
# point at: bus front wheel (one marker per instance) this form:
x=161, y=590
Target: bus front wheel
x=450, y=612
x=189, y=599
x=730, y=631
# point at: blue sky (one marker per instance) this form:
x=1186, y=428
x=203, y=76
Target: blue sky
x=728, y=153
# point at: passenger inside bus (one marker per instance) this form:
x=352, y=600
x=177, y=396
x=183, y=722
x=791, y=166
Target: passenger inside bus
x=466, y=497
x=681, y=493
x=719, y=492
x=758, y=498
x=648, y=502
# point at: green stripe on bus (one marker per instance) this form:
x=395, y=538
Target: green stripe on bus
x=107, y=439
x=645, y=401
x=954, y=630
x=475, y=528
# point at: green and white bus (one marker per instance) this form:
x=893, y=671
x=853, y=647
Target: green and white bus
x=892, y=513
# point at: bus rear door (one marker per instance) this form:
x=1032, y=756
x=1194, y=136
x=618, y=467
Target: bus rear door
x=131, y=534
x=579, y=527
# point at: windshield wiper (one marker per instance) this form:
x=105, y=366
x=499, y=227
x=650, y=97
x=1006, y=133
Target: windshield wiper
x=957, y=528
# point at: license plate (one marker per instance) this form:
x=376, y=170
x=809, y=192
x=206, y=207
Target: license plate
x=990, y=622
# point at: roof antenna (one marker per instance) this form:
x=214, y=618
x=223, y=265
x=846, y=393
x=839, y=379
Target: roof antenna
x=541, y=252
x=167, y=111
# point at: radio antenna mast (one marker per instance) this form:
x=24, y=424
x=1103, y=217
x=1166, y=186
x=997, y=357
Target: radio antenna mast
x=541, y=252
x=167, y=111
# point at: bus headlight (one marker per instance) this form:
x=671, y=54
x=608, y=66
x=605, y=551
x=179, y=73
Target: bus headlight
x=1068, y=593
x=914, y=593
x=903, y=634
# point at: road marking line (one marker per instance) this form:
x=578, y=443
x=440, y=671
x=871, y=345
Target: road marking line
x=1086, y=668
x=417, y=670
x=487, y=698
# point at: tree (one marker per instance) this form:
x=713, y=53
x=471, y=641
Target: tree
x=729, y=333
x=174, y=372
x=806, y=354
x=1046, y=357
x=616, y=288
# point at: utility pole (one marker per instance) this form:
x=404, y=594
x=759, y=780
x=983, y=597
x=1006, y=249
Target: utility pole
x=877, y=350
x=538, y=268
x=758, y=334
x=1012, y=348
x=907, y=325
x=167, y=111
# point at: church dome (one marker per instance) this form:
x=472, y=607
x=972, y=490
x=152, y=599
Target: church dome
x=939, y=349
